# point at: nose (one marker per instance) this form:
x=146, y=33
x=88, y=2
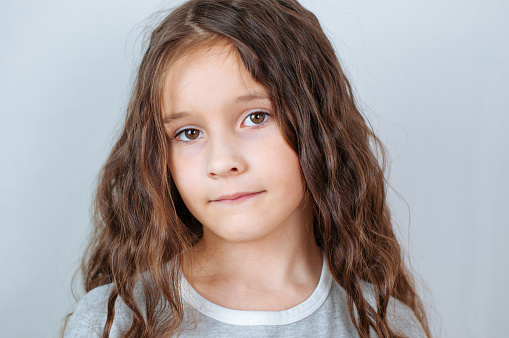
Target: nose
x=225, y=158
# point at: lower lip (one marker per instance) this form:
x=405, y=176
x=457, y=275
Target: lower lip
x=239, y=199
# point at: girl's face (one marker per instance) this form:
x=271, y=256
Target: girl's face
x=229, y=160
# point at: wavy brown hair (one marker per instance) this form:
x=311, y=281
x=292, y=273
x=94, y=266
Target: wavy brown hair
x=141, y=222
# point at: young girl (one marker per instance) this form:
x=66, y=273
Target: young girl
x=243, y=197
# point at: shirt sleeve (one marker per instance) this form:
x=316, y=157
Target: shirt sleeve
x=90, y=315
x=403, y=320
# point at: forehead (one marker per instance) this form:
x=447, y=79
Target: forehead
x=208, y=75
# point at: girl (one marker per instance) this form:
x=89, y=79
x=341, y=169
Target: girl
x=243, y=197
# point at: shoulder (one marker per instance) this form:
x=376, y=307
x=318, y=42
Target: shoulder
x=400, y=316
x=403, y=320
x=90, y=315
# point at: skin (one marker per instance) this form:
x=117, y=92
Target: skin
x=242, y=181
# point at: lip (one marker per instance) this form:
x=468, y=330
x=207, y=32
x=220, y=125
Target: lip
x=237, y=197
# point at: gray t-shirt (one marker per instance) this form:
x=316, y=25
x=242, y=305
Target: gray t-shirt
x=323, y=314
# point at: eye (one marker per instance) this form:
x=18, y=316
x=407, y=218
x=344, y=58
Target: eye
x=255, y=119
x=189, y=135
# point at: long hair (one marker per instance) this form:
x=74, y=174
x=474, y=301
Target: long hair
x=141, y=223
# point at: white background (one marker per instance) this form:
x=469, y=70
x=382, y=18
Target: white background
x=432, y=77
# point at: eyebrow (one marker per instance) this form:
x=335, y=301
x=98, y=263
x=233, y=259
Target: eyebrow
x=243, y=98
x=248, y=98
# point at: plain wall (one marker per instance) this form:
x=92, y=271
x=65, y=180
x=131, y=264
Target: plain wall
x=431, y=76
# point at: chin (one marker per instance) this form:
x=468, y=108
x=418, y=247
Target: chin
x=246, y=232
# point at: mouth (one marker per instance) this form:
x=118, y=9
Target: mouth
x=237, y=197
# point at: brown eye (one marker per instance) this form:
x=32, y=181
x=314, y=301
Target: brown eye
x=256, y=118
x=189, y=135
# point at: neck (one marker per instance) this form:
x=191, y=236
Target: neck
x=288, y=259
x=264, y=262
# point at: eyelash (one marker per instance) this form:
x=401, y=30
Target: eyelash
x=256, y=126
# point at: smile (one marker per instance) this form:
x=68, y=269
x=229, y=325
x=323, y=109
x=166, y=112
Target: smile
x=236, y=198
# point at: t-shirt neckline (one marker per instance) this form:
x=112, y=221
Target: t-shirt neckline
x=242, y=317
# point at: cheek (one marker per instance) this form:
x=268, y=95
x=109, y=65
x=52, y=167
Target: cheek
x=284, y=166
x=184, y=174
